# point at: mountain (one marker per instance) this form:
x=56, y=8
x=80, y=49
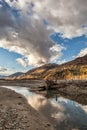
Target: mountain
x=37, y=73
x=75, y=69
x=15, y=75
x=78, y=61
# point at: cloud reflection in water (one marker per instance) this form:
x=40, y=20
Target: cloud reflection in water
x=63, y=114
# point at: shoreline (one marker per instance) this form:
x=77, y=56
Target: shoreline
x=72, y=89
x=17, y=114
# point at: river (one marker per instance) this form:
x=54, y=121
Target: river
x=63, y=113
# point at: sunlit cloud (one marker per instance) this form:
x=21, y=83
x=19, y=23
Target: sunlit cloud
x=26, y=26
x=82, y=52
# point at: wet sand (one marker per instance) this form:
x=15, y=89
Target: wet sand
x=17, y=114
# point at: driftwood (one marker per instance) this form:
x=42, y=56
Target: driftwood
x=49, y=84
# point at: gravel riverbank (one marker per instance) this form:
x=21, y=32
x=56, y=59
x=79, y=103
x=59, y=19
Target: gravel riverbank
x=17, y=114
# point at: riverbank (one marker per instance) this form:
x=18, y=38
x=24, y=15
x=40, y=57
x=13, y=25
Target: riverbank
x=72, y=89
x=17, y=114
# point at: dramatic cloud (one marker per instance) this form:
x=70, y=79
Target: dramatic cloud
x=26, y=26
x=83, y=52
x=69, y=18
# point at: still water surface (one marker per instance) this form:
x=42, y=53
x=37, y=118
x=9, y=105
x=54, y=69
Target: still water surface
x=63, y=113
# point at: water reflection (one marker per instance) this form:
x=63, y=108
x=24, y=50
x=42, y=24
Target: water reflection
x=63, y=113
x=21, y=90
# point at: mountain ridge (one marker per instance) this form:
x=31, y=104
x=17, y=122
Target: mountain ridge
x=14, y=75
x=75, y=69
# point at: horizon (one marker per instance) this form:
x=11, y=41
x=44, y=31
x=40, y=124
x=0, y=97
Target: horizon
x=40, y=66
x=34, y=33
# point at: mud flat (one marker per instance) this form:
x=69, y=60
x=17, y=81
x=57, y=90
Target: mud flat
x=17, y=114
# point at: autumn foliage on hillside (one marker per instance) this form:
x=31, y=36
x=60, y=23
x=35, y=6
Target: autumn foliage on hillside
x=76, y=69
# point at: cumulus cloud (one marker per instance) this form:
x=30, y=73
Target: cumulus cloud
x=26, y=26
x=69, y=18
x=22, y=61
x=82, y=53
x=2, y=69
x=6, y=19
x=66, y=17
x=5, y=71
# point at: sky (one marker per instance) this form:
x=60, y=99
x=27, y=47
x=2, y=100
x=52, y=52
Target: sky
x=37, y=32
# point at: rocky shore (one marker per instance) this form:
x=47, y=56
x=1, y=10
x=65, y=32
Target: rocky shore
x=72, y=89
x=17, y=114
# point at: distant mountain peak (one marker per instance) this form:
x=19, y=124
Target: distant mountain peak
x=14, y=75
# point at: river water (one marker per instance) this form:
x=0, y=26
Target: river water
x=63, y=113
